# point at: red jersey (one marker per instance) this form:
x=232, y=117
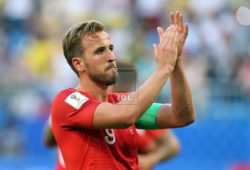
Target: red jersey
x=59, y=162
x=85, y=148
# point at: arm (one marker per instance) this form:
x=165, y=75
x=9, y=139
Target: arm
x=163, y=148
x=181, y=112
x=48, y=137
x=125, y=113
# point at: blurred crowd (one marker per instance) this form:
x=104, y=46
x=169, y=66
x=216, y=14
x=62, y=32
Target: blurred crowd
x=33, y=68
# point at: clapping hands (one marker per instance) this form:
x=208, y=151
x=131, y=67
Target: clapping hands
x=172, y=41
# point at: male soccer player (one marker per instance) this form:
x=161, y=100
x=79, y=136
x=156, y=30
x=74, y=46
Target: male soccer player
x=154, y=146
x=92, y=128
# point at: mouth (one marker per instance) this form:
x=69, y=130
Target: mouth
x=111, y=66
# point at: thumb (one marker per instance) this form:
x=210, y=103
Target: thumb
x=155, y=49
x=160, y=32
x=186, y=29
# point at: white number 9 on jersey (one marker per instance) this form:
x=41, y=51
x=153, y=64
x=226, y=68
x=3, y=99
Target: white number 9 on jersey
x=110, y=136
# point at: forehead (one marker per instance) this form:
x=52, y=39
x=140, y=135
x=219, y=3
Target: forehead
x=93, y=40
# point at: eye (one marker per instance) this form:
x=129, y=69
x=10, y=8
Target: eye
x=111, y=48
x=100, y=50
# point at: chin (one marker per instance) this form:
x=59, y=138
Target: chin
x=112, y=72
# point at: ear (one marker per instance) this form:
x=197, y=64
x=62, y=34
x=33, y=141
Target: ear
x=78, y=64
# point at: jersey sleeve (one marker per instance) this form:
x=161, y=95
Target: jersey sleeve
x=74, y=110
x=156, y=133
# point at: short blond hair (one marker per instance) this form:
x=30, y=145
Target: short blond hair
x=72, y=41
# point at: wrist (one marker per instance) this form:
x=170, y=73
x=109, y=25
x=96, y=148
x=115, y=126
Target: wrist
x=166, y=71
x=179, y=59
x=178, y=63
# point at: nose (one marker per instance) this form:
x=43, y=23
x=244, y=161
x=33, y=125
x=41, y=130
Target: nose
x=111, y=57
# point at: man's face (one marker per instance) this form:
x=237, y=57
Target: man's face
x=99, y=58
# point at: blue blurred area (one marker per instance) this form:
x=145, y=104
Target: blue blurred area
x=215, y=143
x=216, y=61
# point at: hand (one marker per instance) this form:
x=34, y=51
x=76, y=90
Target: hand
x=145, y=162
x=166, y=51
x=176, y=19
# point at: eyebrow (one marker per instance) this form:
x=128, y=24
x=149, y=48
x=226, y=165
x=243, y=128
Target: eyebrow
x=102, y=48
x=98, y=49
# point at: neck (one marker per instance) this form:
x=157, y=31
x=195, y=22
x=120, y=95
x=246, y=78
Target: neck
x=96, y=90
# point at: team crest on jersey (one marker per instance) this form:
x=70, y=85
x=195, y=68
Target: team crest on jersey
x=76, y=100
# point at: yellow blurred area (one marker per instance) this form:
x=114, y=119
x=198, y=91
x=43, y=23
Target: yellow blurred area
x=38, y=57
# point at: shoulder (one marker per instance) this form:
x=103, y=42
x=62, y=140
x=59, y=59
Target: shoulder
x=62, y=95
x=71, y=97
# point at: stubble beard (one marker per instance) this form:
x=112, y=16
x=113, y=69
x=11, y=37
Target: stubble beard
x=102, y=78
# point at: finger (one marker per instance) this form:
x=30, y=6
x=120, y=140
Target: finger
x=172, y=19
x=170, y=36
x=175, y=41
x=181, y=25
x=186, y=29
x=175, y=37
x=177, y=18
x=166, y=37
x=155, y=49
x=165, y=32
x=160, y=32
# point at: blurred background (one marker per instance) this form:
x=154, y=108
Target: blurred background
x=216, y=60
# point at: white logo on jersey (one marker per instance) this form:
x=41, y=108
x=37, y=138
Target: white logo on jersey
x=76, y=100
